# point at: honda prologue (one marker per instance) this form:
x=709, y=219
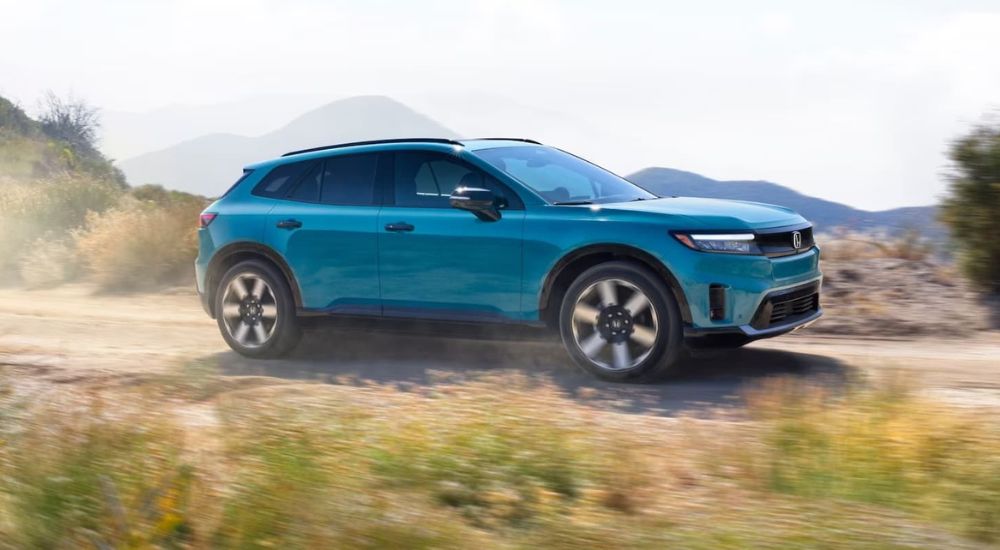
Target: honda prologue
x=504, y=231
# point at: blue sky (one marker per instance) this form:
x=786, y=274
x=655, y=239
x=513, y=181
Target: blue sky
x=849, y=101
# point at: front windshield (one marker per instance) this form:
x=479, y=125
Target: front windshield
x=561, y=178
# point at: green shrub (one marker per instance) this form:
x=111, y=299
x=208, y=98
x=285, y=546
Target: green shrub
x=972, y=208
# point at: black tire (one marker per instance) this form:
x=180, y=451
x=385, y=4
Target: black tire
x=662, y=311
x=286, y=331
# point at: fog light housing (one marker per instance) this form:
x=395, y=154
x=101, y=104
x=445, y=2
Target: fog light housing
x=716, y=302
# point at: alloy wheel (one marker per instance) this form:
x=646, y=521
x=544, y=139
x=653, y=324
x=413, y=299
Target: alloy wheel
x=614, y=324
x=249, y=310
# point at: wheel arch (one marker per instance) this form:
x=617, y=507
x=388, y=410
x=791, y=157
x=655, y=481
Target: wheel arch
x=572, y=264
x=233, y=253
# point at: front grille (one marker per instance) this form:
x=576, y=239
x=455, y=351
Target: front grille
x=781, y=241
x=791, y=308
x=787, y=306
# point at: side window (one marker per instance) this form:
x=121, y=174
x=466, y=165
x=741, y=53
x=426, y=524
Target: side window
x=307, y=189
x=426, y=179
x=350, y=180
x=279, y=181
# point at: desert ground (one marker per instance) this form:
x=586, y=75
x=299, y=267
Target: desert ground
x=73, y=335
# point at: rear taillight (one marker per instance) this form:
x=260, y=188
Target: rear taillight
x=206, y=218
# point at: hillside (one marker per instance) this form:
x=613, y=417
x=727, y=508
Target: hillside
x=29, y=150
x=825, y=214
x=209, y=164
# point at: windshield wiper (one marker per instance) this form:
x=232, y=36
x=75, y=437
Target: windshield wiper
x=571, y=203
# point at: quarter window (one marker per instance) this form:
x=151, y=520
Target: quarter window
x=279, y=181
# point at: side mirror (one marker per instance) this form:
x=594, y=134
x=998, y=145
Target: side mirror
x=481, y=202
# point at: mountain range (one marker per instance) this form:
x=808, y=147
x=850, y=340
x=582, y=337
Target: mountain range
x=823, y=214
x=208, y=164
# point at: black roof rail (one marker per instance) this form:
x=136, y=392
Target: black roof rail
x=375, y=142
x=526, y=140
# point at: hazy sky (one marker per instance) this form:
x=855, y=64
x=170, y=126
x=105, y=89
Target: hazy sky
x=849, y=101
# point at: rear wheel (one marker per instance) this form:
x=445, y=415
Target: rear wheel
x=620, y=322
x=255, y=311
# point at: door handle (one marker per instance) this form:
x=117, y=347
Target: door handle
x=289, y=224
x=398, y=226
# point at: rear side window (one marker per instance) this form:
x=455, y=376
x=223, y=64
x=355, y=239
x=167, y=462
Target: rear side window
x=280, y=180
x=350, y=180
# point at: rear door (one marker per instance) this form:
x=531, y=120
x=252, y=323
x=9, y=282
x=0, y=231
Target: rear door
x=438, y=262
x=325, y=227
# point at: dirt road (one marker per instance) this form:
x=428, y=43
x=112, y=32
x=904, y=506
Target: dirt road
x=71, y=335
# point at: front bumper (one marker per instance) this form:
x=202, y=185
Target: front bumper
x=779, y=312
x=752, y=333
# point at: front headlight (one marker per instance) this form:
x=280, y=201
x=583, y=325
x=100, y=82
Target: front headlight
x=730, y=243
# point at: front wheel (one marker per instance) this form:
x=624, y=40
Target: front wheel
x=255, y=311
x=620, y=322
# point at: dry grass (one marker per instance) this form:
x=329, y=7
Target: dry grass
x=846, y=245
x=504, y=463
x=46, y=210
x=82, y=472
x=57, y=230
x=140, y=245
x=885, y=447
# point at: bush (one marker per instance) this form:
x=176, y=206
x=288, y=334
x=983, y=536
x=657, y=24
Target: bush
x=71, y=121
x=47, y=209
x=140, y=239
x=141, y=245
x=972, y=207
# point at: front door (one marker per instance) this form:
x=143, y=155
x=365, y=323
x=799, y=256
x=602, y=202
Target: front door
x=438, y=262
x=325, y=227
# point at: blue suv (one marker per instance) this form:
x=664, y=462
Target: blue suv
x=503, y=231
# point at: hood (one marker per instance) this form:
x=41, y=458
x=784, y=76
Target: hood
x=714, y=213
